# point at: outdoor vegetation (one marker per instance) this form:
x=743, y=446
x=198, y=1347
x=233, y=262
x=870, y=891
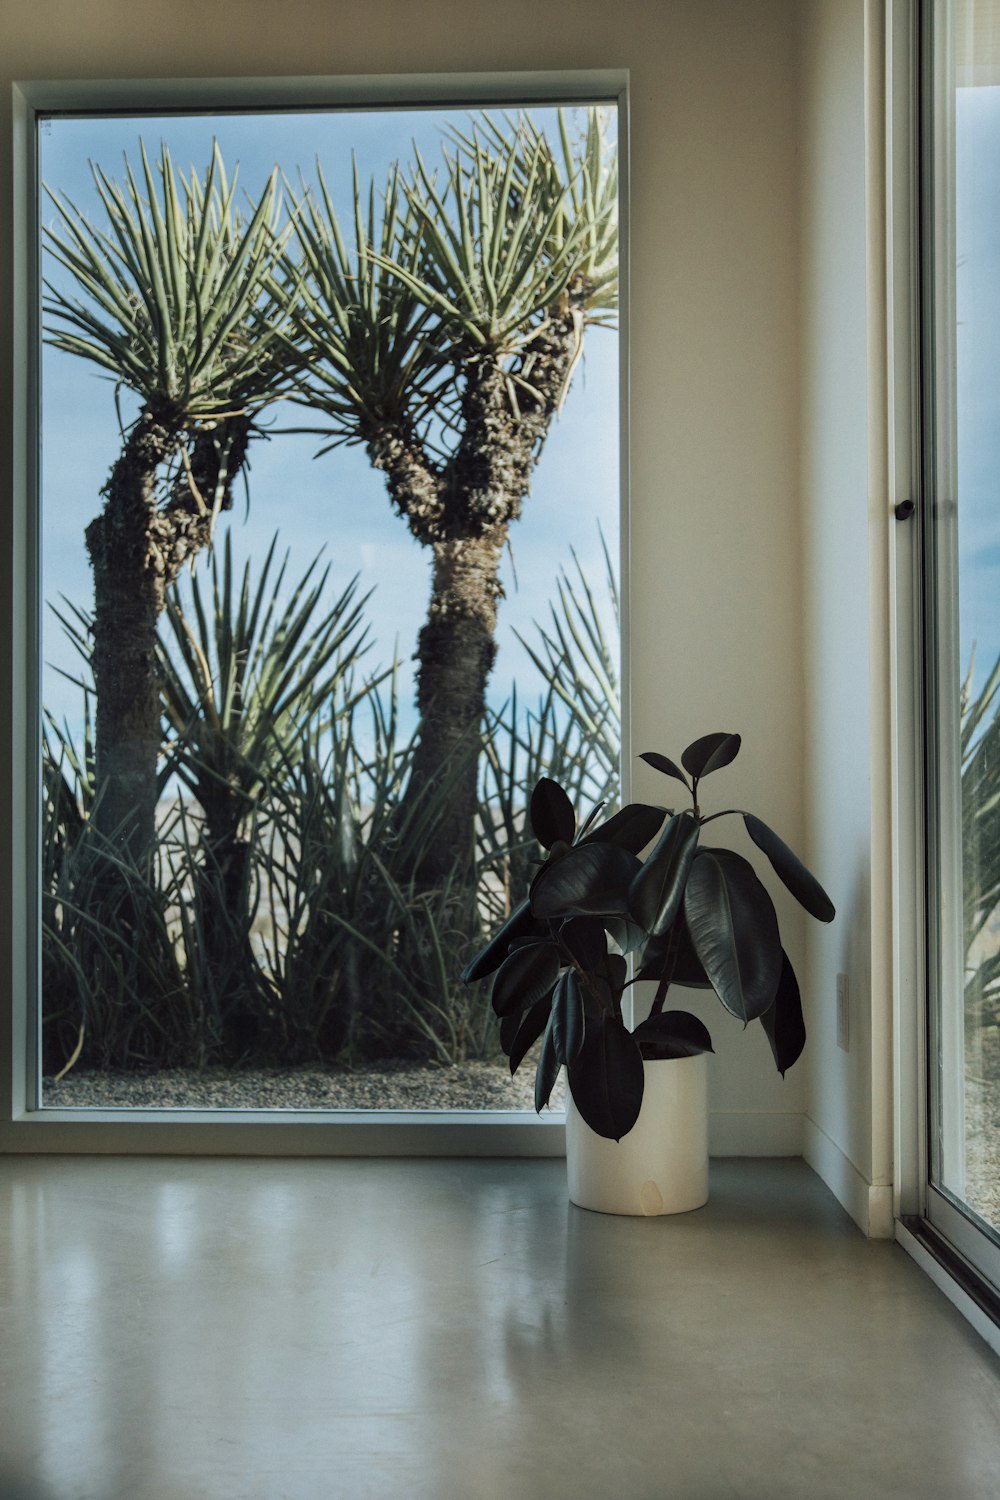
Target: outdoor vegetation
x=244, y=857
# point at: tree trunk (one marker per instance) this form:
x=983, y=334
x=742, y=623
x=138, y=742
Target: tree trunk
x=233, y=982
x=128, y=598
x=455, y=655
x=463, y=512
x=137, y=549
x=462, y=509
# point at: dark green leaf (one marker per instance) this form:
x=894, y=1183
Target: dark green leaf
x=526, y=974
x=547, y=1068
x=665, y=764
x=629, y=936
x=552, y=815
x=734, y=930
x=567, y=1018
x=558, y=851
x=686, y=968
x=520, y=924
x=631, y=828
x=602, y=994
x=509, y=1027
x=672, y=1033
x=783, y=1022
x=590, y=880
x=710, y=753
x=656, y=893
x=607, y=1079
x=590, y=818
x=790, y=870
x=533, y=1023
x=586, y=941
x=616, y=970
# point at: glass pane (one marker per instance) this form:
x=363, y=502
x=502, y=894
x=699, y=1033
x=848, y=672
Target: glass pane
x=330, y=530
x=966, y=1077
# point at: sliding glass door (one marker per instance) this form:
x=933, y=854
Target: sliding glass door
x=961, y=314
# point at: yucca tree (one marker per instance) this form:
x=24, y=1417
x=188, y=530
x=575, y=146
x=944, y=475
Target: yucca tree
x=442, y=332
x=980, y=751
x=572, y=735
x=246, y=674
x=172, y=294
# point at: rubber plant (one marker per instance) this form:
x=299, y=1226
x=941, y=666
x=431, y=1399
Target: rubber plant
x=689, y=913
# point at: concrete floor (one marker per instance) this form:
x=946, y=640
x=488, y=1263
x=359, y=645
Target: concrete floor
x=176, y=1329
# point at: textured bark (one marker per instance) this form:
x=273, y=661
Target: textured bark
x=456, y=650
x=236, y=986
x=203, y=488
x=462, y=510
x=128, y=598
x=136, y=551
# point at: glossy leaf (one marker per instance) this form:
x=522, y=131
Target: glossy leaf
x=673, y=1033
x=710, y=753
x=607, y=1079
x=548, y=1065
x=631, y=828
x=589, y=819
x=567, y=1018
x=616, y=973
x=552, y=815
x=520, y=924
x=509, y=1027
x=533, y=1023
x=665, y=764
x=589, y=880
x=686, y=966
x=602, y=994
x=627, y=935
x=790, y=870
x=734, y=931
x=783, y=1022
x=586, y=941
x=525, y=975
x=656, y=893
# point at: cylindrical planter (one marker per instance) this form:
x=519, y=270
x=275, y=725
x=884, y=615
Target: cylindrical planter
x=661, y=1166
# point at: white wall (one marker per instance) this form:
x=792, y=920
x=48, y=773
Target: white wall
x=718, y=589
x=845, y=519
x=715, y=586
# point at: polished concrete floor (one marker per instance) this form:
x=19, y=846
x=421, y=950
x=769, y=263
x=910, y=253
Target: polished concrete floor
x=177, y=1329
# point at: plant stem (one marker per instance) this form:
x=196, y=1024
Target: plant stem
x=666, y=975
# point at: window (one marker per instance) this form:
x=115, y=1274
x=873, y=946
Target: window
x=256, y=918
x=961, y=534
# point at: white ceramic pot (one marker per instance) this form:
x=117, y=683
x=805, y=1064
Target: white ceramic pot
x=661, y=1166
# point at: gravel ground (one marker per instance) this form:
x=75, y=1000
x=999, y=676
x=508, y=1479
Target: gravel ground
x=982, y=1130
x=471, y=1085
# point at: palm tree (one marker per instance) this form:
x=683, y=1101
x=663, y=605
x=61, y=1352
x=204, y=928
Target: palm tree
x=174, y=296
x=444, y=341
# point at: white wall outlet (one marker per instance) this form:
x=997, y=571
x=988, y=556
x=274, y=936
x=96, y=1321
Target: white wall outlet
x=843, y=1012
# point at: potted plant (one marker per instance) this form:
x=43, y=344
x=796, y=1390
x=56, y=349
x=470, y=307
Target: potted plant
x=691, y=914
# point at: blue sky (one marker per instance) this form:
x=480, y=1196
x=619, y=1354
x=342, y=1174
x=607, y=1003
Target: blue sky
x=977, y=232
x=336, y=502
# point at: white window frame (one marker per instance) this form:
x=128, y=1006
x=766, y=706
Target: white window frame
x=928, y=1226
x=24, y=1126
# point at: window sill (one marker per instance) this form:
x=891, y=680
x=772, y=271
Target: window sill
x=180, y=1132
